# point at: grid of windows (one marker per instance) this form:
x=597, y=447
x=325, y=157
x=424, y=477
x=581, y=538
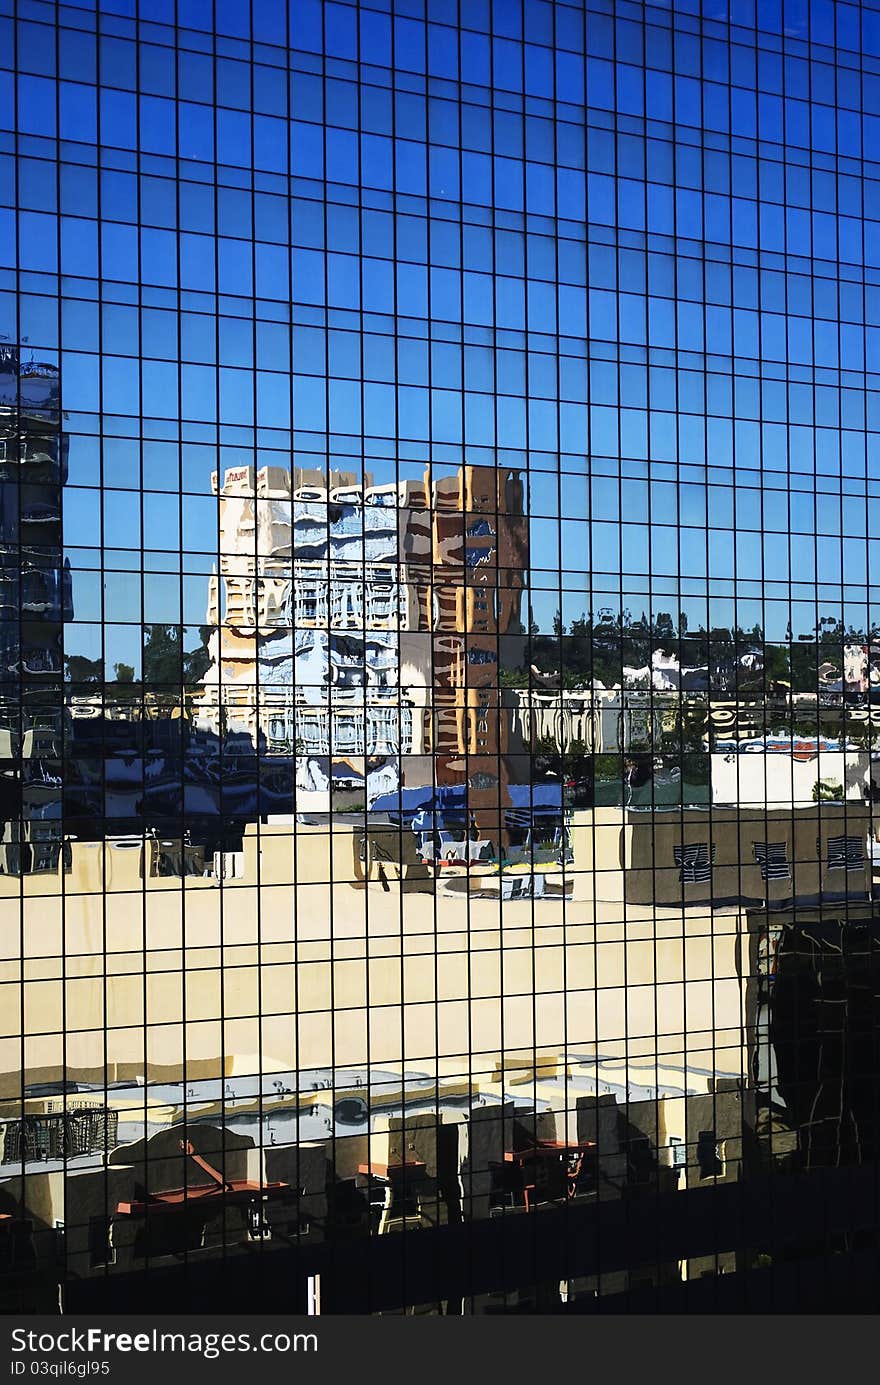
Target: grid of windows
x=439, y=639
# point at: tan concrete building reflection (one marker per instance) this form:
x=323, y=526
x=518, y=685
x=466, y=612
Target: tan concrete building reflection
x=132, y=959
x=479, y=562
x=140, y=966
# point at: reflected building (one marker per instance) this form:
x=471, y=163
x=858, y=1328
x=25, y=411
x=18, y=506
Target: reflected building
x=357, y=628
x=479, y=541
x=309, y=610
x=35, y=600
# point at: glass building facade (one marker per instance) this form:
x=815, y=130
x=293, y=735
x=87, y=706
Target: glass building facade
x=439, y=653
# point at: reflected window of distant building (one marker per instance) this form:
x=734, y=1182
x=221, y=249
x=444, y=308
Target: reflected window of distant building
x=844, y=853
x=694, y=862
x=772, y=858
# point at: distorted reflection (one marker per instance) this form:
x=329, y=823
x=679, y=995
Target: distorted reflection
x=439, y=653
